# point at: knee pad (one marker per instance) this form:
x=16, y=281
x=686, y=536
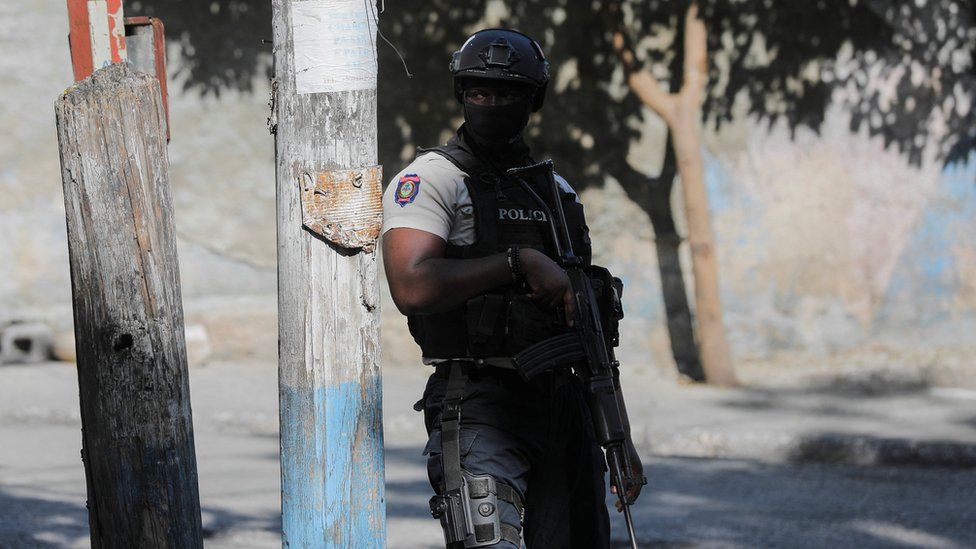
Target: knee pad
x=471, y=515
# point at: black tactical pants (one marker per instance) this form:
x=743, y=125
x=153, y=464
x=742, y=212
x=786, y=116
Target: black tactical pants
x=538, y=439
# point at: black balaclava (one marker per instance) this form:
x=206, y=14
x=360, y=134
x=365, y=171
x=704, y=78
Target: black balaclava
x=495, y=127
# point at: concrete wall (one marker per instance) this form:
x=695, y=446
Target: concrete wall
x=826, y=242
x=222, y=175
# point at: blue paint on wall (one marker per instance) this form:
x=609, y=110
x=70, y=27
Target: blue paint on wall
x=643, y=299
x=718, y=185
x=332, y=466
x=724, y=192
x=926, y=294
x=643, y=290
x=927, y=278
x=728, y=197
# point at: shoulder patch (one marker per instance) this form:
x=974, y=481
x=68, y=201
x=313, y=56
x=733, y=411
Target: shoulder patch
x=407, y=189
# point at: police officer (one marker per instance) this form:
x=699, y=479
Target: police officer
x=469, y=259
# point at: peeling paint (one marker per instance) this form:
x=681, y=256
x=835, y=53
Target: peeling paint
x=98, y=34
x=116, y=31
x=342, y=427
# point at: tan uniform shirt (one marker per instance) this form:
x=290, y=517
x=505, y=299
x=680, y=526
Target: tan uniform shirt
x=430, y=195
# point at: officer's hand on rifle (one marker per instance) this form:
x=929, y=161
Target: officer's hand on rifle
x=636, y=471
x=547, y=281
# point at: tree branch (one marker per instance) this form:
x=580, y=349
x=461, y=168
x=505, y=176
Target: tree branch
x=641, y=81
x=696, y=58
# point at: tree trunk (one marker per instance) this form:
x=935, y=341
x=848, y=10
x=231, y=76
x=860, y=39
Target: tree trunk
x=685, y=123
x=328, y=295
x=682, y=113
x=137, y=434
x=667, y=242
x=716, y=357
x=653, y=195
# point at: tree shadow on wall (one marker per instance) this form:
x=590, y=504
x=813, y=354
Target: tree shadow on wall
x=782, y=62
x=771, y=62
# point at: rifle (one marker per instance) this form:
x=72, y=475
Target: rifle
x=598, y=371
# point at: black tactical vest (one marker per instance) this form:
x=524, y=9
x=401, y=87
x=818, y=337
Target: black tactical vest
x=504, y=321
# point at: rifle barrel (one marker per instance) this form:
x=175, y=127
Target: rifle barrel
x=630, y=526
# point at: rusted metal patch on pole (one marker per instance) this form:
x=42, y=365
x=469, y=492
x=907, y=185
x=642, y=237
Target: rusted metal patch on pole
x=344, y=206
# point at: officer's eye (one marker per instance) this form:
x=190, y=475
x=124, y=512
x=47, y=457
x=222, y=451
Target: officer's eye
x=477, y=96
x=493, y=96
x=507, y=97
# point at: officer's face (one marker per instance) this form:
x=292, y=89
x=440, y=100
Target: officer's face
x=493, y=95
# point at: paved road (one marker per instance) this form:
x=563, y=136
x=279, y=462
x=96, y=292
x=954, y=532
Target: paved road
x=692, y=502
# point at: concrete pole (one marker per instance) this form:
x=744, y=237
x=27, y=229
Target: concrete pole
x=328, y=188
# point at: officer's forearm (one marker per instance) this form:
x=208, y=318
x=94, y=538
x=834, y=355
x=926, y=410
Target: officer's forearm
x=438, y=284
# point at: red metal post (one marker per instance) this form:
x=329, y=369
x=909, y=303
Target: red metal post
x=79, y=39
x=116, y=30
x=96, y=35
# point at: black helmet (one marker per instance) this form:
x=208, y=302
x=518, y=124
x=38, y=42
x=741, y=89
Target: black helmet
x=502, y=54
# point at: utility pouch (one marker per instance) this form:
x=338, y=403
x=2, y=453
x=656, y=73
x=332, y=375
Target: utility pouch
x=437, y=333
x=608, y=290
x=502, y=324
x=527, y=324
x=485, y=320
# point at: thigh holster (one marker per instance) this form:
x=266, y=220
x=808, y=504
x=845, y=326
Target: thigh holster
x=470, y=514
x=468, y=506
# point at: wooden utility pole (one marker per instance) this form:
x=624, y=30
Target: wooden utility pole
x=681, y=111
x=137, y=434
x=329, y=216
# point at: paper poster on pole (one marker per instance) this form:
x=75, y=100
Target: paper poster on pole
x=335, y=45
